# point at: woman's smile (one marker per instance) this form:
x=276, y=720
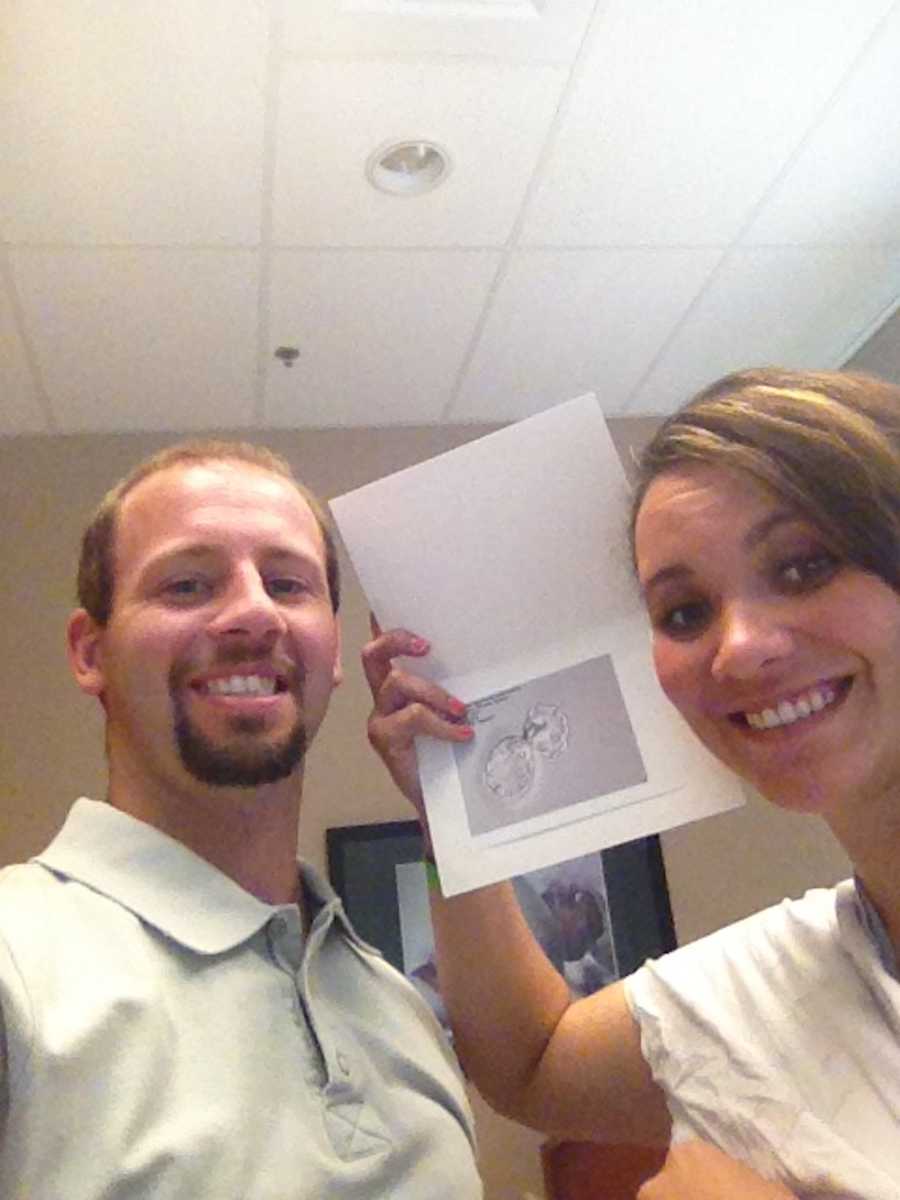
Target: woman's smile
x=761, y=647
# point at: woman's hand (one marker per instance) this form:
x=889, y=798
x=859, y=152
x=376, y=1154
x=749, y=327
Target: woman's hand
x=405, y=707
x=697, y=1171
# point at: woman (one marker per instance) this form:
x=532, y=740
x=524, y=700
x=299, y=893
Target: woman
x=776, y=1040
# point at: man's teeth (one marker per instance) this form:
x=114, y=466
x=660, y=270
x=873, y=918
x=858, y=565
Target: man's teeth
x=242, y=685
x=789, y=711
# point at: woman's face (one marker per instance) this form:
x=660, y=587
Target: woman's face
x=783, y=659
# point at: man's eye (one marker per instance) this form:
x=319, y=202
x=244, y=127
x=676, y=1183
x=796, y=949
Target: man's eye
x=684, y=620
x=286, y=587
x=806, y=572
x=186, y=589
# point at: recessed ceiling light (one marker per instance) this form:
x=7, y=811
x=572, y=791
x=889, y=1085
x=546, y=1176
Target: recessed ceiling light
x=408, y=168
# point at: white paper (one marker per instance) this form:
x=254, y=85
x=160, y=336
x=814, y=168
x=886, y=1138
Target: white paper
x=510, y=555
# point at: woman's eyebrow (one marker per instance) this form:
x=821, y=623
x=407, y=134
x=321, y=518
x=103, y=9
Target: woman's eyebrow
x=677, y=572
x=762, y=529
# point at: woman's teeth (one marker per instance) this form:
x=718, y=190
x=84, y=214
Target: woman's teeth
x=789, y=711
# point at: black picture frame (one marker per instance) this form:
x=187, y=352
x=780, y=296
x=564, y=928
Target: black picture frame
x=362, y=861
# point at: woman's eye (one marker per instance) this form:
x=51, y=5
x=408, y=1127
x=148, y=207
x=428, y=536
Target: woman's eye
x=807, y=571
x=684, y=620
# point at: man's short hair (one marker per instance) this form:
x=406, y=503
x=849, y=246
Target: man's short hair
x=96, y=568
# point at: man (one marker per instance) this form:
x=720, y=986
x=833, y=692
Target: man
x=184, y=1012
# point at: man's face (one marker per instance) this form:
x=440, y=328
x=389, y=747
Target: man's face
x=222, y=648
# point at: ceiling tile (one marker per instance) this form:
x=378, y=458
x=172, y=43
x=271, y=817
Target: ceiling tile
x=132, y=123
x=142, y=339
x=684, y=113
x=382, y=335
x=315, y=28
x=20, y=410
x=845, y=185
x=491, y=118
x=566, y=322
x=787, y=306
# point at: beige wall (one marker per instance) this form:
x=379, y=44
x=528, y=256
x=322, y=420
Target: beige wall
x=51, y=748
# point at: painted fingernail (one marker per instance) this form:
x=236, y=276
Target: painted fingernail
x=419, y=645
x=457, y=707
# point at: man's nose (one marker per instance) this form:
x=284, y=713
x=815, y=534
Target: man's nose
x=247, y=609
x=751, y=637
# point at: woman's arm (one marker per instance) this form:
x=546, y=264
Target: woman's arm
x=569, y=1068
x=698, y=1171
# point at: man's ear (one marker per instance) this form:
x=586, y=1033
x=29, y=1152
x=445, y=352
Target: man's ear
x=338, y=674
x=83, y=642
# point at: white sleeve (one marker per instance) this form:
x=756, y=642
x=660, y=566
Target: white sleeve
x=755, y=1033
x=701, y=1038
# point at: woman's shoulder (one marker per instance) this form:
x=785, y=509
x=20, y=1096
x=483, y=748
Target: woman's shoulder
x=796, y=939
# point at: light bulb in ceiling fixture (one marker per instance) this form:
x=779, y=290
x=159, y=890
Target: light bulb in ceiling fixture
x=408, y=168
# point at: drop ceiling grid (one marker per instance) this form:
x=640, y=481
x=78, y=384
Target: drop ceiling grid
x=849, y=164
x=323, y=28
x=858, y=99
x=490, y=117
x=453, y=410
x=851, y=56
x=659, y=146
x=187, y=150
x=390, y=356
x=142, y=339
x=782, y=304
x=509, y=374
x=608, y=311
x=133, y=123
x=271, y=102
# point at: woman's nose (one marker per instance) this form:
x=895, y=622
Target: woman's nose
x=751, y=637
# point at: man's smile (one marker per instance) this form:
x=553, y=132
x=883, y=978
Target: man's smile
x=251, y=685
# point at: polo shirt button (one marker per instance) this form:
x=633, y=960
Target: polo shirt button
x=343, y=1062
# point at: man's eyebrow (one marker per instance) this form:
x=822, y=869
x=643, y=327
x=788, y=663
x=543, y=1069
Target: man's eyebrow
x=282, y=552
x=180, y=551
x=212, y=549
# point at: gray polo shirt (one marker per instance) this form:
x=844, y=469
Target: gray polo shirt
x=169, y=1036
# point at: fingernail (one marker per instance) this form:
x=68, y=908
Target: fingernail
x=419, y=645
x=457, y=707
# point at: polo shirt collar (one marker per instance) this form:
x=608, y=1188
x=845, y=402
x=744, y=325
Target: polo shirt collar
x=163, y=882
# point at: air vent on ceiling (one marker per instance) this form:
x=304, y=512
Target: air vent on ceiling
x=490, y=9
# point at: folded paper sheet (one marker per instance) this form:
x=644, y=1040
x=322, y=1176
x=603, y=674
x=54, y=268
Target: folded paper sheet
x=510, y=555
